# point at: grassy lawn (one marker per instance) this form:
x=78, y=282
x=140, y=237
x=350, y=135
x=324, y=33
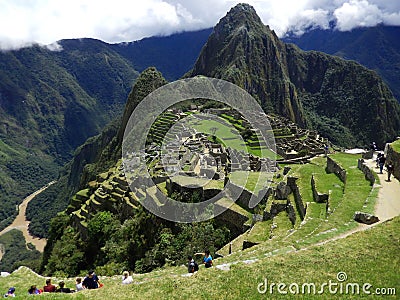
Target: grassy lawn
x=252, y=181
x=366, y=257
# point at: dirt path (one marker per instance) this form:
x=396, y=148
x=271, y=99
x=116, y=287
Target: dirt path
x=387, y=204
x=22, y=224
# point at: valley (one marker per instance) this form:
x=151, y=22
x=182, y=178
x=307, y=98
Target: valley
x=106, y=168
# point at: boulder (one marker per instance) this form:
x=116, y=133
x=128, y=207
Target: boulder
x=365, y=218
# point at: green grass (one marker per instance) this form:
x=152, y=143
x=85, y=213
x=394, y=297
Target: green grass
x=252, y=181
x=366, y=257
x=396, y=146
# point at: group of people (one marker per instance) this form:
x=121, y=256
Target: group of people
x=207, y=262
x=91, y=281
x=381, y=162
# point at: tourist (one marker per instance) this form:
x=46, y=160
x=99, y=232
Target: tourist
x=91, y=281
x=382, y=161
x=63, y=289
x=34, y=291
x=390, y=169
x=78, y=285
x=377, y=159
x=10, y=293
x=126, y=278
x=192, y=265
x=207, y=260
x=49, y=288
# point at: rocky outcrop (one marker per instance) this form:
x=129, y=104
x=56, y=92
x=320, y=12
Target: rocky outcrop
x=365, y=218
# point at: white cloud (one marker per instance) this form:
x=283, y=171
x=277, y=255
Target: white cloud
x=23, y=22
x=357, y=13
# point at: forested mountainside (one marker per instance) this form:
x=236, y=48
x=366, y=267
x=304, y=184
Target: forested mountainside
x=343, y=100
x=50, y=103
x=377, y=48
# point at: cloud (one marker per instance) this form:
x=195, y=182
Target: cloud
x=23, y=22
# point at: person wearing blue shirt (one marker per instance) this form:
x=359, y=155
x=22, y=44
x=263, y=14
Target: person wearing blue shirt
x=207, y=260
x=91, y=281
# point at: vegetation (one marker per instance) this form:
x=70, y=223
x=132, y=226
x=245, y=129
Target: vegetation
x=366, y=257
x=396, y=146
x=142, y=244
x=305, y=87
x=16, y=252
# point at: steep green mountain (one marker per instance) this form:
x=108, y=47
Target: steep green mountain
x=50, y=103
x=343, y=100
x=377, y=48
x=96, y=155
x=105, y=224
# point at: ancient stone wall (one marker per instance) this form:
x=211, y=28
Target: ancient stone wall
x=318, y=197
x=369, y=175
x=291, y=181
x=334, y=167
x=394, y=157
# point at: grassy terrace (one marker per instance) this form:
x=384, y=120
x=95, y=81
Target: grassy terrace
x=396, y=146
x=366, y=257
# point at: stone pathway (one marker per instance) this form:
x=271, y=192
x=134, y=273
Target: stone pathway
x=388, y=202
x=22, y=224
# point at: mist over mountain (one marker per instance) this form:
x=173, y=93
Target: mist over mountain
x=51, y=102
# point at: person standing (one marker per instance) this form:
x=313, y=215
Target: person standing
x=382, y=161
x=390, y=169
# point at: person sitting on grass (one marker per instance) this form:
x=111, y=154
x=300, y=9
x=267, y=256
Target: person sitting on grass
x=207, y=260
x=49, y=288
x=34, y=291
x=91, y=281
x=126, y=278
x=63, y=289
x=192, y=265
x=10, y=293
x=78, y=284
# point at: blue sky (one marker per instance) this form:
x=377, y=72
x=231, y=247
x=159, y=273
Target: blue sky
x=23, y=22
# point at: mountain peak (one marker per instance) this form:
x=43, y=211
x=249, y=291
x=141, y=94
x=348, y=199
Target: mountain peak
x=241, y=16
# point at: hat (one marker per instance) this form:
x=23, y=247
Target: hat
x=90, y=272
x=11, y=290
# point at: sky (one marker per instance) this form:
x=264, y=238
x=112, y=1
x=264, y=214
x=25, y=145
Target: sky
x=24, y=22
